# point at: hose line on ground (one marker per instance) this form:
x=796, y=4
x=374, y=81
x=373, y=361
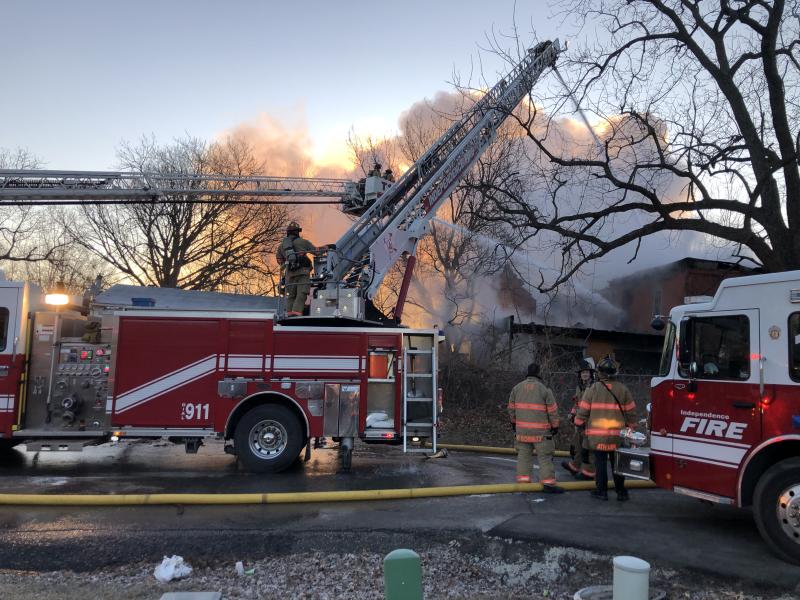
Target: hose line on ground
x=289, y=497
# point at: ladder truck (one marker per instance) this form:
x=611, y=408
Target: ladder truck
x=265, y=384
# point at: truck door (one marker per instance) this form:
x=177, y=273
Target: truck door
x=10, y=355
x=717, y=416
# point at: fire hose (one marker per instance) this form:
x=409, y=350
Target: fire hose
x=290, y=497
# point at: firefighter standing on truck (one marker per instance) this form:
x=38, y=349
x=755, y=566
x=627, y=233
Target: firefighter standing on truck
x=582, y=463
x=606, y=408
x=292, y=255
x=534, y=416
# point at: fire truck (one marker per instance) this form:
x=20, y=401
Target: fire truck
x=725, y=411
x=264, y=383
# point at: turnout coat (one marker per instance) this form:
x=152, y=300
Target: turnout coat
x=604, y=415
x=532, y=408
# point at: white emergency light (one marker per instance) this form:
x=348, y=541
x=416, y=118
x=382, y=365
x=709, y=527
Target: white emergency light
x=58, y=297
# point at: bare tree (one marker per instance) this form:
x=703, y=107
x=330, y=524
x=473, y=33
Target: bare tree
x=213, y=246
x=67, y=263
x=20, y=226
x=695, y=108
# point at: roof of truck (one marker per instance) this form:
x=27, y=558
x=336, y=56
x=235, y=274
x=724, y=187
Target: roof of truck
x=176, y=299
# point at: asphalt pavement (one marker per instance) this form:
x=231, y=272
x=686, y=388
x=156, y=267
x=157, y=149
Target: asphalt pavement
x=666, y=529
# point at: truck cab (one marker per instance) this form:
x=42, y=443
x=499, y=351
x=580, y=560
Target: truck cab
x=725, y=406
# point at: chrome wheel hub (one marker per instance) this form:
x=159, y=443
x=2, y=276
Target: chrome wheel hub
x=268, y=439
x=789, y=512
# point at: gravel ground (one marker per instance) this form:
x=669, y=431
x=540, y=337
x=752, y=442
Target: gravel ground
x=463, y=568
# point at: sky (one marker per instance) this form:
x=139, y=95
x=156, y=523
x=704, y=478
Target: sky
x=83, y=76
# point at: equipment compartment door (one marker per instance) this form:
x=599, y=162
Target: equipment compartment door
x=10, y=356
x=717, y=405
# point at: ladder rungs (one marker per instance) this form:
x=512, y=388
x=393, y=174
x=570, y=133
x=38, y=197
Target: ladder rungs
x=419, y=351
x=419, y=399
x=419, y=374
x=419, y=424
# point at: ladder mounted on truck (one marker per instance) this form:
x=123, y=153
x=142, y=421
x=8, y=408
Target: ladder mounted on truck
x=390, y=228
x=420, y=402
x=45, y=187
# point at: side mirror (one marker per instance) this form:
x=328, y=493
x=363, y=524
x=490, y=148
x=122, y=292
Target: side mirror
x=658, y=323
x=685, y=346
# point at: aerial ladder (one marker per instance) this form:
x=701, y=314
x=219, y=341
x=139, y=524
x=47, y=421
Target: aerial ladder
x=43, y=187
x=392, y=217
x=350, y=273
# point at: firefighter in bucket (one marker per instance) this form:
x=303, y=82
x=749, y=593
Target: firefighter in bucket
x=292, y=255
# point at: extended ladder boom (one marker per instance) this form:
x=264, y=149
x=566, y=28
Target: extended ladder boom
x=394, y=224
x=110, y=187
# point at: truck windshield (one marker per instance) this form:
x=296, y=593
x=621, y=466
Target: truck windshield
x=667, y=351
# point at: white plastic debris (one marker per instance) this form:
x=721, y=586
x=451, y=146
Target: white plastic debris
x=172, y=568
x=239, y=569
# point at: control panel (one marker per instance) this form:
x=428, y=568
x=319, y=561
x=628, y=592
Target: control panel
x=80, y=386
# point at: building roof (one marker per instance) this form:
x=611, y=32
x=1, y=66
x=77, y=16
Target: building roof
x=173, y=298
x=700, y=264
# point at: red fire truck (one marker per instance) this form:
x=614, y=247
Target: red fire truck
x=725, y=411
x=265, y=383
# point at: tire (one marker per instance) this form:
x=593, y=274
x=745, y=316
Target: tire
x=268, y=438
x=776, y=507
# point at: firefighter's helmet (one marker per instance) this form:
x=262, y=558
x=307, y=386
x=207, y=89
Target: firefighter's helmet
x=608, y=366
x=586, y=364
x=293, y=226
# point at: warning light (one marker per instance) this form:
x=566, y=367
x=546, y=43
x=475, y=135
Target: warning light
x=86, y=355
x=388, y=436
x=106, y=369
x=691, y=395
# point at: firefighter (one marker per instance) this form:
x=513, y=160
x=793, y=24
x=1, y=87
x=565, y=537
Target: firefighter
x=292, y=255
x=534, y=416
x=581, y=466
x=606, y=408
x=388, y=175
x=376, y=170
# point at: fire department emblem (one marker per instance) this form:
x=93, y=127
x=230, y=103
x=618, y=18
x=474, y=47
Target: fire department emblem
x=774, y=332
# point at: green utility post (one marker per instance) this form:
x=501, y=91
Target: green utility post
x=402, y=575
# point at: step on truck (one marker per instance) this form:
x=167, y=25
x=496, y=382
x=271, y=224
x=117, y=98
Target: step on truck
x=724, y=420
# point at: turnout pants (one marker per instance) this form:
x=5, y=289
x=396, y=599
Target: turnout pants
x=582, y=457
x=544, y=450
x=601, y=460
x=298, y=284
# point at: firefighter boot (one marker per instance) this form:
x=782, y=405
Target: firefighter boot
x=623, y=496
x=552, y=488
x=599, y=495
x=567, y=464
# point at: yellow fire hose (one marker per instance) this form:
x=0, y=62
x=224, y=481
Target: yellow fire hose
x=490, y=449
x=289, y=497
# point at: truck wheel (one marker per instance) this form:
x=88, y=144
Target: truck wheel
x=776, y=508
x=268, y=438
